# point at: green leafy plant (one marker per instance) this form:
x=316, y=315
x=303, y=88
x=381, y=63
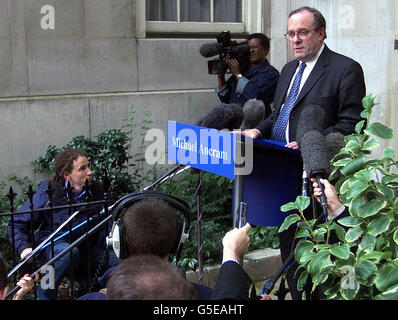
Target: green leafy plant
x=363, y=264
x=263, y=237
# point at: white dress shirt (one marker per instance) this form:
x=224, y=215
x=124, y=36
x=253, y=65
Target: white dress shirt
x=306, y=73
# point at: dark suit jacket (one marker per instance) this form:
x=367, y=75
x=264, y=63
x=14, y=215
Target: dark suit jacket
x=232, y=283
x=336, y=84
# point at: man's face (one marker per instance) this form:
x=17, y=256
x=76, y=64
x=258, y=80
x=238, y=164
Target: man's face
x=80, y=172
x=257, y=52
x=306, y=47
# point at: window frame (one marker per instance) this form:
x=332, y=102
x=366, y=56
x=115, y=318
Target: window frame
x=251, y=22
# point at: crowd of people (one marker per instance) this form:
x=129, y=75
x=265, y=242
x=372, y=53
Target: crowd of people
x=317, y=75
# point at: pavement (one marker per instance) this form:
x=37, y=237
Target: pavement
x=260, y=265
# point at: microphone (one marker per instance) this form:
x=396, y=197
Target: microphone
x=316, y=161
x=223, y=116
x=208, y=50
x=253, y=114
x=334, y=143
x=311, y=118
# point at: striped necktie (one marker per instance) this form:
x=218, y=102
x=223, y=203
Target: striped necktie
x=279, y=131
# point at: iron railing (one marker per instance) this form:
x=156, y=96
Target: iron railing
x=66, y=229
x=74, y=209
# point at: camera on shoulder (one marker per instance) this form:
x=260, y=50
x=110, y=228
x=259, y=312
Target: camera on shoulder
x=225, y=48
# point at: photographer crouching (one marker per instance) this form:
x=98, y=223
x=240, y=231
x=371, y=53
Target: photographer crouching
x=252, y=75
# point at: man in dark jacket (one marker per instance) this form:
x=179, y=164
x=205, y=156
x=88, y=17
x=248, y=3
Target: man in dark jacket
x=72, y=169
x=258, y=81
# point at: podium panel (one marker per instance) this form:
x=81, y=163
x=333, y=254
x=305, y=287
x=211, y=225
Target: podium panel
x=275, y=180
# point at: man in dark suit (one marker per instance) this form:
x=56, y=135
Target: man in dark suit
x=330, y=80
x=317, y=76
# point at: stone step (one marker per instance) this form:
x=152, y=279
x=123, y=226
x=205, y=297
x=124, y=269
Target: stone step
x=260, y=265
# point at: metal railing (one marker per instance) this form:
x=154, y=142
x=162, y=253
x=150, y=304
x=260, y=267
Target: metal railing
x=73, y=227
x=69, y=226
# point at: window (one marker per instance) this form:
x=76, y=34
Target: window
x=198, y=16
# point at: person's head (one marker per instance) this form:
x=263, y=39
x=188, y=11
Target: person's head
x=150, y=227
x=3, y=278
x=306, y=32
x=72, y=165
x=259, y=48
x=148, y=277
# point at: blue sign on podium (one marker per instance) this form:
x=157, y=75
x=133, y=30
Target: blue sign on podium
x=201, y=148
x=271, y=172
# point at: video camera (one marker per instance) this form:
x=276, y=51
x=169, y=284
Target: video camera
x=225, y=48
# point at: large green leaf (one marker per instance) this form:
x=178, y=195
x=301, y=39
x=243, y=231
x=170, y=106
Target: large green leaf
x=365, y=269
x=289, y=221
x=350, y=288
x=359, y=126
x=350, y=221
x=368, y=102
x=387, y=277
x=386, y=191
x=389, y=152
x=342, y=252
x=320, y=261
x=395, y=236
x=302, y=280
x=353, y=234
x=370, y=144
x=340, y=232
x=371, y=208
x=390, y=294
x=378, y=225
x=388, y=179
x=356, y=188
x=354, y=165
x=289, y=206
x=302, y=233
x=303, y=251
x=375, y=255
x=367, y=243
x=356, y=204
x=380, y=130
x=302, y=202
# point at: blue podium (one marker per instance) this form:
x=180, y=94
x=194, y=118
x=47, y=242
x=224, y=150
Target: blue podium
x=275, y=180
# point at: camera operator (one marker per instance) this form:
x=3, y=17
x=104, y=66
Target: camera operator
x=257, y=81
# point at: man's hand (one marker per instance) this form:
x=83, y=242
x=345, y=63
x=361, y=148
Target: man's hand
x=236, y=243
x=332, y=200
x=233, y=66
x=251, y=133
x=293, y=145
x=26, y=283
x=25, y=253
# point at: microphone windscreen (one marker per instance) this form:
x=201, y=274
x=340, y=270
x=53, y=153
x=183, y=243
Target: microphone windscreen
x=253, y=114
x=311, y=119
x=208, y=50
x=223, y=116
x=315, y=154
x=334, y=143
x=237, y=118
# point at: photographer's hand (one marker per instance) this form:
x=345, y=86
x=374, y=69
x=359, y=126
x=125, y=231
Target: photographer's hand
x=234, y=66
